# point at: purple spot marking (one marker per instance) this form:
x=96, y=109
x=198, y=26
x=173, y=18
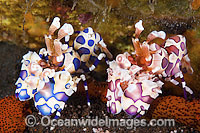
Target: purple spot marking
x=113, y=108
x=111, y=86
x=142, y=107
x=132, y=110
x=61, y=96
x=157, y=46
x=176, y=68
x=169, y=67
x=182, y=46
x=23, y=74
x=108, y=98
x=108, y=109
x=164, y=62
x=117, y=98
x=117, y=82
x=135, y=94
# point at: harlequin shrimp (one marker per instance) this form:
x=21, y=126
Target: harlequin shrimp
x=130, y=88
x=133, y=83
x=167, y=60
x=47, y=77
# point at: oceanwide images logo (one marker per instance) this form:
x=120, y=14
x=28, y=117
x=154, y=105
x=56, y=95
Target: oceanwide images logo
x=98, y=122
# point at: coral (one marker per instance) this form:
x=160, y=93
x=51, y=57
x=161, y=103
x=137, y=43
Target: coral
x=13, y=113
x=173, y=107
